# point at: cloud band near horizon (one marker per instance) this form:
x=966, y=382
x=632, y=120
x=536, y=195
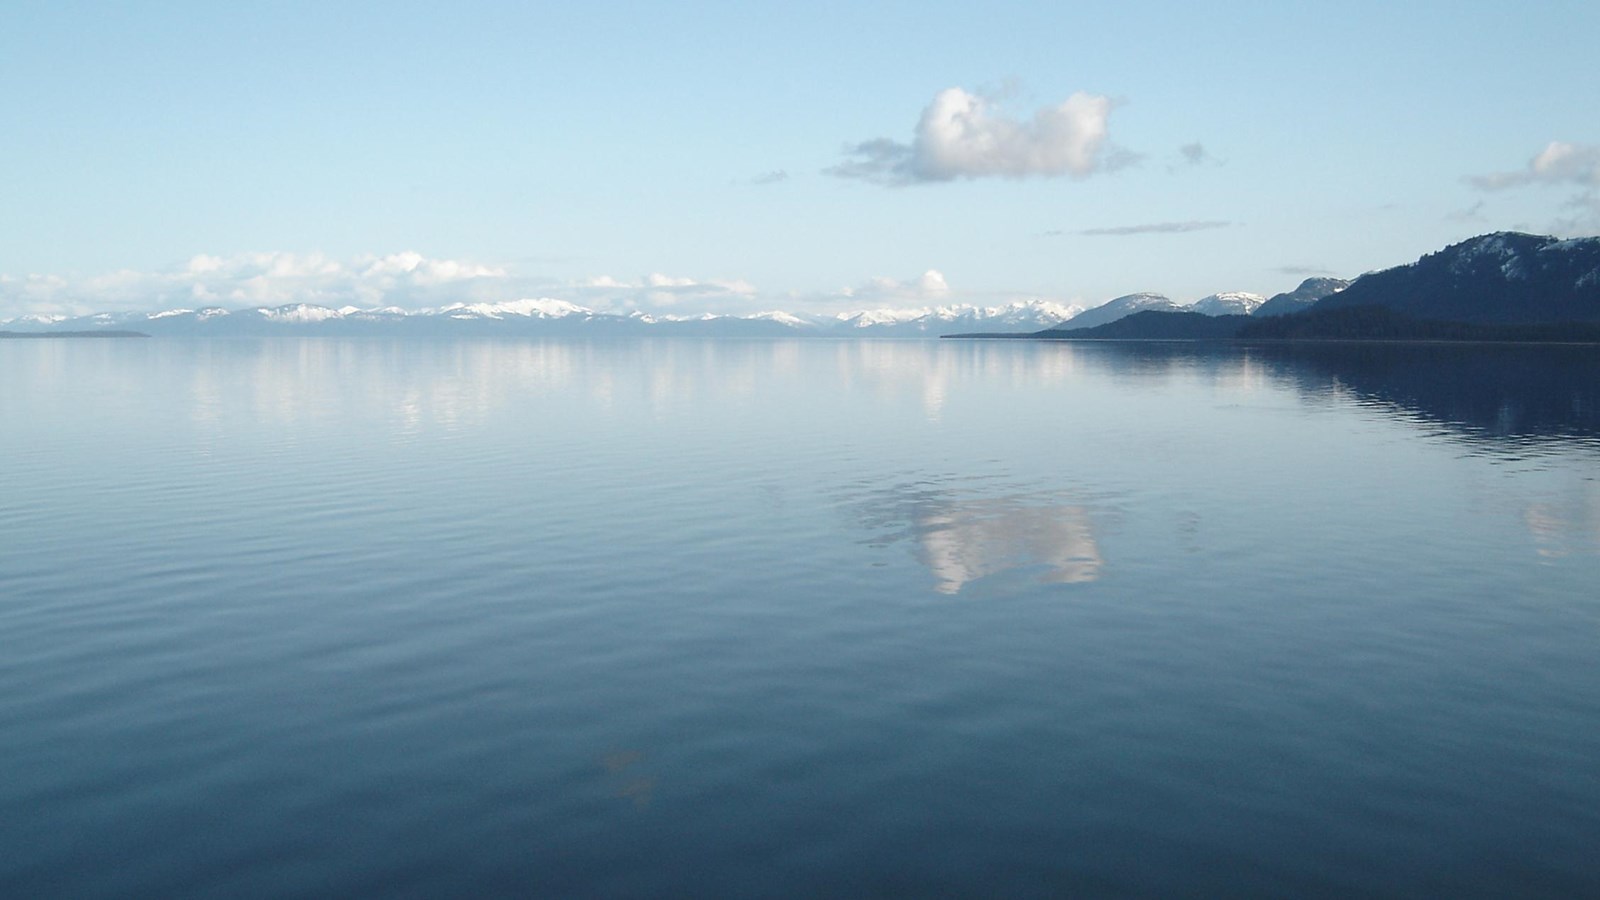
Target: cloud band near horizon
x=412, y=282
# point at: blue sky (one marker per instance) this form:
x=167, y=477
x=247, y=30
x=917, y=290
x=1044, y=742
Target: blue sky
x=711, y=155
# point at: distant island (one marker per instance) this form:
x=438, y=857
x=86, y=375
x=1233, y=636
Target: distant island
x=1507, y=286
x=72, y=334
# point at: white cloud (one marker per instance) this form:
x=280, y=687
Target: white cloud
x=963, y=135
x=1558, y=163
x=415, y=267
x=411, y=281
x=657, y=291
x=202, y=264
x=408, y=280
x=264, y=279
x=930, y=286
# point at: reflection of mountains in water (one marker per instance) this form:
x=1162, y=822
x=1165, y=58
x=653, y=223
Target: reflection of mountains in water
x=1516, y=393
x=1488, y=392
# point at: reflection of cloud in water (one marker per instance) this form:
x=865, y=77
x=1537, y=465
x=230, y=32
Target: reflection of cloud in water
x=962, y=542
x=630, y=784
x=1568, y=525
x=962, y=539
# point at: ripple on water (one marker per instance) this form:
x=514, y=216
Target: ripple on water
x=677, y=618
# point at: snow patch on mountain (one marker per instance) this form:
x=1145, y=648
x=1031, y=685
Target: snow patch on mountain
x=1035, y=314
x=542, y=308
x=867, y=318
x=1228, y=303
x=781, y=317
x=537, y=313
x=1120, y=307
x=298, y=313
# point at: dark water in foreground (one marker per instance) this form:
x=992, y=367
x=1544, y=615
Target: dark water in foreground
x=682, y=618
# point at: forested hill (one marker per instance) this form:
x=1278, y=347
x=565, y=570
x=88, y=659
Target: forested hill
x=1502, y=278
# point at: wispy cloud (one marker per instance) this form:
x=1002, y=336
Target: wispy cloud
x=1196, y=154
x=1473, y=213
x=1583, y=216
x=1156, y=228
x=1302, y=270
x=1558, y=163
x=776, y=176
x=660, y=292
x=964, y=135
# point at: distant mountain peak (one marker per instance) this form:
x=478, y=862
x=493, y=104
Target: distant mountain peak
x=297, y=312
x=1301, y=298
x=540, y=308
x=1120, y=307
x=1228, y=303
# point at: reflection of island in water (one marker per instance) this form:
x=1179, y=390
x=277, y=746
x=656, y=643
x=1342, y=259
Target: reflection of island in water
x=1509, y=401
x=1510, y=395
x=1494, y=393
x=964, y=539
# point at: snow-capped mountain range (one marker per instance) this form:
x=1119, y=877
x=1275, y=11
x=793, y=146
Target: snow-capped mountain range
x=1230, y=303
x=550, y=316
x=546, y=315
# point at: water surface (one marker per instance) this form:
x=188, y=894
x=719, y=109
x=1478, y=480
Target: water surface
x=797, y=618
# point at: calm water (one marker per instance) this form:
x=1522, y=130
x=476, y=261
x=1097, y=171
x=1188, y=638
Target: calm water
x=683, y=618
